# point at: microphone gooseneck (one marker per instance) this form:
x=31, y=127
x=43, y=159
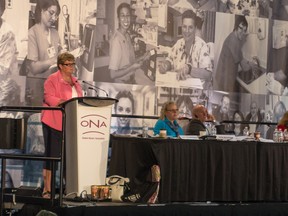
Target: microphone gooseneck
x=95, y=87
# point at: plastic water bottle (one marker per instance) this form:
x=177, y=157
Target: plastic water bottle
x=213, y=130
x=144, y=131
x=275, y=135
x=285, y=133
x=246, y=131
x=208, y=127
x=280, y=136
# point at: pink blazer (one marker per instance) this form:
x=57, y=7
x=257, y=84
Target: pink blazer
x=56, y=89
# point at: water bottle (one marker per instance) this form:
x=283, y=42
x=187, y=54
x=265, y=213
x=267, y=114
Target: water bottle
x=275, y=135
x=144, y=131
x=208, y=127
x=280, y=136
x=246, y=131
x=285, y=133
x=213, y=131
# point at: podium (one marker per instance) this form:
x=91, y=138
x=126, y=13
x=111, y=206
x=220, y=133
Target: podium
x=87, y=134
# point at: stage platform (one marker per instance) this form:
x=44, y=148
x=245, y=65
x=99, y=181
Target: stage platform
x=175, y=209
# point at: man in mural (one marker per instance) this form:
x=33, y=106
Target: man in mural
x=221, y=113
x=231, y=57
x=189, y=57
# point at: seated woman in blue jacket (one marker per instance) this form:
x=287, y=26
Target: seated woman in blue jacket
x=168, y=120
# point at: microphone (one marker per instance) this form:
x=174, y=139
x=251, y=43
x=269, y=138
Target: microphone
x=95, y=87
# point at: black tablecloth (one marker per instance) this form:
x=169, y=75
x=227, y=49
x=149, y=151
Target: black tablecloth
x=196, y=170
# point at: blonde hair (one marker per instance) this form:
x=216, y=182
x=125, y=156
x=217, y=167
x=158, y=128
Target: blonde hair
x=164, y=109
x=284, y=119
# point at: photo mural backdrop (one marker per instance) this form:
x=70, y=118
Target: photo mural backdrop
x=235, y=64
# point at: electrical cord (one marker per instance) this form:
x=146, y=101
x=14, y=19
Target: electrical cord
x=83, y=197
x=69, y=194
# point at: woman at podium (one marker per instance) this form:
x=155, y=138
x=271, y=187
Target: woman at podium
x=58, y=88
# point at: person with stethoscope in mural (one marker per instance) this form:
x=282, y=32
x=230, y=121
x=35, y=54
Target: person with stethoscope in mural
x=189, y=56
x=43, y=49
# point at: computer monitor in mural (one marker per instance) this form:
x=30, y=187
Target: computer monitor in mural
x=89, y=43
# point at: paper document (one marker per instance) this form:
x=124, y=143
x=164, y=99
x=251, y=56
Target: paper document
x=190, y=137
x=170, y=79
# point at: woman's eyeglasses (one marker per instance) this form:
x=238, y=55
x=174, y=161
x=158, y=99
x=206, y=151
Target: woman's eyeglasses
x=173, y=110
x=69, y=65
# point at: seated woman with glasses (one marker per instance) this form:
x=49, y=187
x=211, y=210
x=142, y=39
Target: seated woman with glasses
x=199, y=116
x=168, y=120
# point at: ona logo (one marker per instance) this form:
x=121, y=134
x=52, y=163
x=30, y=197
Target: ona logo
x=93, y=122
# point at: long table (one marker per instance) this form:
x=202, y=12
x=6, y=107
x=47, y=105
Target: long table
x=197, y=170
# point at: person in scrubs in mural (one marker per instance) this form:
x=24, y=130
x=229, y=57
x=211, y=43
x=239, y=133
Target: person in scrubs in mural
x=125, y=106
x=231, y=57
x=43, y=48
x=123, y=63
x=189, y=57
